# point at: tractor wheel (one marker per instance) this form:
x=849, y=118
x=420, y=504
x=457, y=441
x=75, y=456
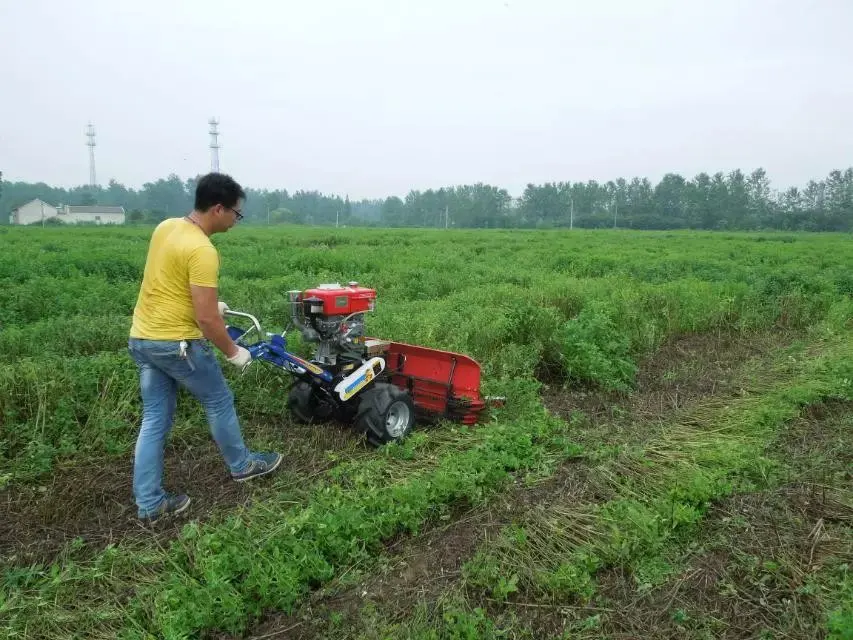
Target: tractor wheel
x=302, y=402
x=385, y=413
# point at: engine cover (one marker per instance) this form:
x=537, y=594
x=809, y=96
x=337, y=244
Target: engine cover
x=337, y=300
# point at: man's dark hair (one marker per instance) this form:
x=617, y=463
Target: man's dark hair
x=217, y=188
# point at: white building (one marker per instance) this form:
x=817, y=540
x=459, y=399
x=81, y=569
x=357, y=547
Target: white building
x=37, y=211
x=98, y=215
x=34, y=211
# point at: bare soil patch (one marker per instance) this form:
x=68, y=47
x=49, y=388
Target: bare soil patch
x=94, y=501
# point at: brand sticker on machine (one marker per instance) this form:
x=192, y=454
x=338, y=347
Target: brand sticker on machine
x=360, y=378
x=313, y=368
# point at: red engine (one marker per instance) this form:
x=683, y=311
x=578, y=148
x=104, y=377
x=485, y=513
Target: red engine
x=335, y=300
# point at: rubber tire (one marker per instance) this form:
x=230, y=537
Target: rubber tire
x=373, y=410
x=302, y=402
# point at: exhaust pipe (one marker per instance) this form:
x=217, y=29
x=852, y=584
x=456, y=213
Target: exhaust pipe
x=309, y=334
x=295, y=298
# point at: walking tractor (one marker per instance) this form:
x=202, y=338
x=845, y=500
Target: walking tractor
x=378, y=386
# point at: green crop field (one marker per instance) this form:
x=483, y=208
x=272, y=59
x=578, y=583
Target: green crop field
x=673, y=459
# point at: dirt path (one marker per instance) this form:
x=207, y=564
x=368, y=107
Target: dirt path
x=95, y=501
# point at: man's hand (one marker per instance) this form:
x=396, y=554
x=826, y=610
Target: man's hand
x=241, y=358
x=208, y=316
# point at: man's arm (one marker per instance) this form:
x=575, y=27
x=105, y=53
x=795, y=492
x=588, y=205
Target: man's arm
x=205, y=304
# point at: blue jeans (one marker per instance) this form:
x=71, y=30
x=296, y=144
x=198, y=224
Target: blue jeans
x=161, y=370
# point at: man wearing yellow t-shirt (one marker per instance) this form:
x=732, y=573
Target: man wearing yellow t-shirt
x=175, y=321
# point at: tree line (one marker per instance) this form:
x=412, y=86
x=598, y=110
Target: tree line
x=734, y=201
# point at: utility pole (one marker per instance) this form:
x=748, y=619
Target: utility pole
x=337, y=217
x=571, y=212
x=90, y=134
x=214, y=144
x=446, y=216
x=615, y=212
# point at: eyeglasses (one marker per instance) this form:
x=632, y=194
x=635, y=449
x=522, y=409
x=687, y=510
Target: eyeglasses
x=236, y=213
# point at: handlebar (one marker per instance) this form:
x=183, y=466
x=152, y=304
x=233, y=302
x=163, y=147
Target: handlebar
x=256, y=325
x=273, y=350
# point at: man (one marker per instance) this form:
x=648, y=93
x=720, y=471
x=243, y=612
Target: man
x=176, y=318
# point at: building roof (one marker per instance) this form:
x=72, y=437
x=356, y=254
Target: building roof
x=31, y=202
x=96, y=209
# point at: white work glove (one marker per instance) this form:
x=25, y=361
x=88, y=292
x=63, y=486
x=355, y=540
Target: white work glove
x=241, y=359
x=222, y=308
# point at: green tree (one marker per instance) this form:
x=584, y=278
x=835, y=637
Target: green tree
x=392, y=213
x=738, y=201
x=671, y=198
x=135, y=216
x=285, y=215
x=544, y=206
x=168, y=197
x=87, y=199
x=758, y=200
x=701, y=212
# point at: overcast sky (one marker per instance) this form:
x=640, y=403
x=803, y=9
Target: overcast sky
x=373, y=98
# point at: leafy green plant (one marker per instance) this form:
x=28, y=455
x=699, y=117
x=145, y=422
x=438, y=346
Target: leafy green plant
x=594, y=350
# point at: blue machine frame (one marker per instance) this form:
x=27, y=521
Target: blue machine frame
x=274, y=350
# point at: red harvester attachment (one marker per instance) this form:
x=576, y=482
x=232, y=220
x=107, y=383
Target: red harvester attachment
x=442, y=383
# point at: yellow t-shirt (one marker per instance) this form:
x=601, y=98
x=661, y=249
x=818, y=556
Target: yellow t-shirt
x=180, y=254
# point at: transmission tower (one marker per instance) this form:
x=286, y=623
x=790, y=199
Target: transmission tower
x=90, y=134
x=214, y=144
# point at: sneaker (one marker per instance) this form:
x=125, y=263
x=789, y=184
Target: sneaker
x=260, y=464
x=172, y=505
